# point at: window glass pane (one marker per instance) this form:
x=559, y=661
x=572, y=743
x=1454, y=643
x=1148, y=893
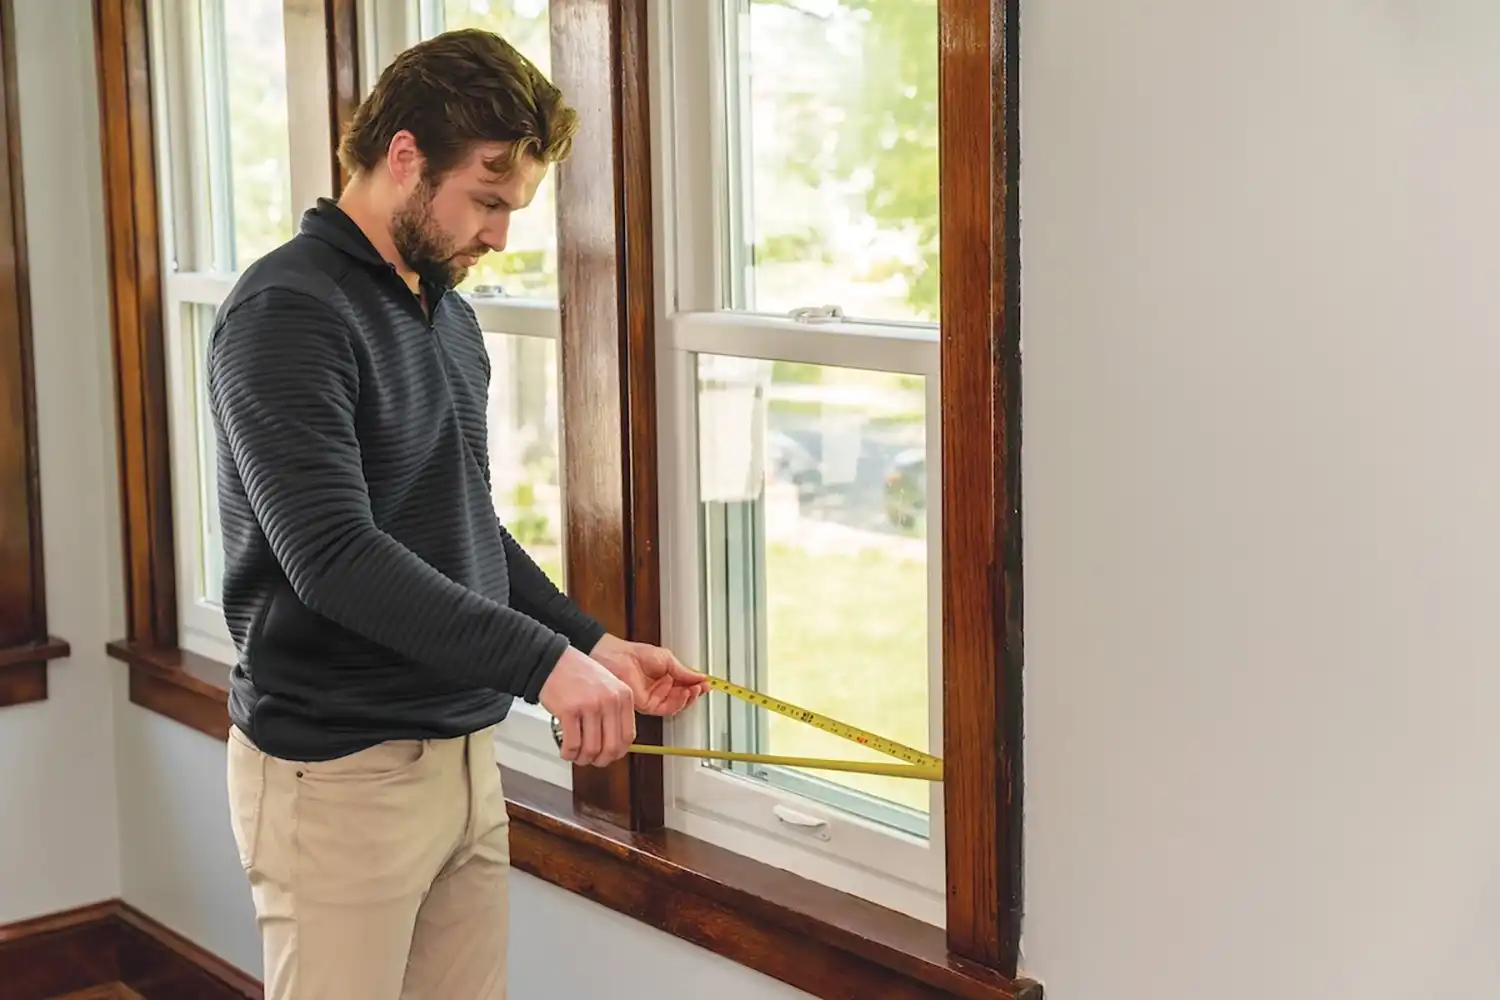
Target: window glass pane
x=210, y=538
x=528, y=267
x=249, y=136
x=833, y=168
x=525, y=448
x=813, y=491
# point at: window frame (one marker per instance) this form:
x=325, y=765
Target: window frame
x=698, y=207
x=606, y=837
x=192, y=246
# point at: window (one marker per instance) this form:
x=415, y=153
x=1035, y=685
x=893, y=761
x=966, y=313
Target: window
x=794, y=445
x=812, y=491
x=525, y=447
x=248, y=127
x=796, y=174
x=208, y=572
x=528, y=267
x=237, y=166
x=831, y=158
x=525, y=481
x=235, y=176
x=225, y=152
x=798, y=148
x=776, y=299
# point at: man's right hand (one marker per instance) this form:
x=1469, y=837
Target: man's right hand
x=594, y=707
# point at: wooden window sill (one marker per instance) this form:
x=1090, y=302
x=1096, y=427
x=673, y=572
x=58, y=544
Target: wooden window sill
x=825, y=942
x=23, y=670
x=822, y=941
x=184, y=686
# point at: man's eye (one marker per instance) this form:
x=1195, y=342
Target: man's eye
x=492, y=206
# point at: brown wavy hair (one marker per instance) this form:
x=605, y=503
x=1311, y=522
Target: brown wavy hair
x=454, y=91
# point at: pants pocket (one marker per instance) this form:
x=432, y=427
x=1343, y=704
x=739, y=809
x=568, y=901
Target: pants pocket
x=376, y=825
x=247, y=793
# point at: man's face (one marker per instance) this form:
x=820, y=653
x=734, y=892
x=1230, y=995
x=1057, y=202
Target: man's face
x=445, y=228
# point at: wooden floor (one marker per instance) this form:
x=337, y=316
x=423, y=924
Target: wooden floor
x=111, y=951
x=109, y=991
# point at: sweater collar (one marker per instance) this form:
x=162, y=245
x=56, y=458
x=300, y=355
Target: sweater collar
x=328, y=222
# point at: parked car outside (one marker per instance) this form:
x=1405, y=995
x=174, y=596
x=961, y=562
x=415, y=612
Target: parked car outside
x=906, y=489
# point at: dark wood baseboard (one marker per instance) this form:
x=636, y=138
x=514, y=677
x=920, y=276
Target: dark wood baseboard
x=112, y=951
x=59, y=954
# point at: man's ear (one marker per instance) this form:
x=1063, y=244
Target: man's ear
x=404, y=160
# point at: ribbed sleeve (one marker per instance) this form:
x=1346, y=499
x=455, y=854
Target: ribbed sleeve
x=284, y=381
x=533, y=592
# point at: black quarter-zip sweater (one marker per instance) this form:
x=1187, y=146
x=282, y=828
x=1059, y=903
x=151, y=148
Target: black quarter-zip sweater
x=368, y=586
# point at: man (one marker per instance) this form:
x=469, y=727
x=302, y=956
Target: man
x=384, y=619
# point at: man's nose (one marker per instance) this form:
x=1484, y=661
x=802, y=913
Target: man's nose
x=494, y=236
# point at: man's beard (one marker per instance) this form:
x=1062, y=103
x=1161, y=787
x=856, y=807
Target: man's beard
x=422, y=243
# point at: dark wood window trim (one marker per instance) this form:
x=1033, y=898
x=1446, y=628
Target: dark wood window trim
x=341, y=18
x=980, y=261
x=606, y=840
x=608, y=358
x=25, y=646
x=133, y=233
x=23, y=669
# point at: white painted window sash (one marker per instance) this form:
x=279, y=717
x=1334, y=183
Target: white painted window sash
x=696, y=281
x=885, y=348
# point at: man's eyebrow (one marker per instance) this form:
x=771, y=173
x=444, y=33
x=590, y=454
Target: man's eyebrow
x=493, y=195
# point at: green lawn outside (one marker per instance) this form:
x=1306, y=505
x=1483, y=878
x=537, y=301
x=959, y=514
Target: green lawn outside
x=848, y=639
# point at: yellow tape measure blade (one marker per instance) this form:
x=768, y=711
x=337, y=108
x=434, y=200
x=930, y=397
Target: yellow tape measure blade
x=917, y=765
x=843, y=730
x=916, y=771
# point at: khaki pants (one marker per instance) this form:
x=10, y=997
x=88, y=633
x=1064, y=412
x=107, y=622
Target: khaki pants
x=377, y=876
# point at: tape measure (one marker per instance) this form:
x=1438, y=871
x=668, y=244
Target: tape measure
x=918, y=765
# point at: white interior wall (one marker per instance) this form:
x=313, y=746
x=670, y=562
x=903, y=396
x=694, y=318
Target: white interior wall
x=1259, y=314
x=59, y=841
x=1262, y=498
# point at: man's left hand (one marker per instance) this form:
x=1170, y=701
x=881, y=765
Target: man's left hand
x=661, y=684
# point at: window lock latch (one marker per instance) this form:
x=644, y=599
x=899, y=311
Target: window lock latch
x=818, y=314
x=811, y=826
